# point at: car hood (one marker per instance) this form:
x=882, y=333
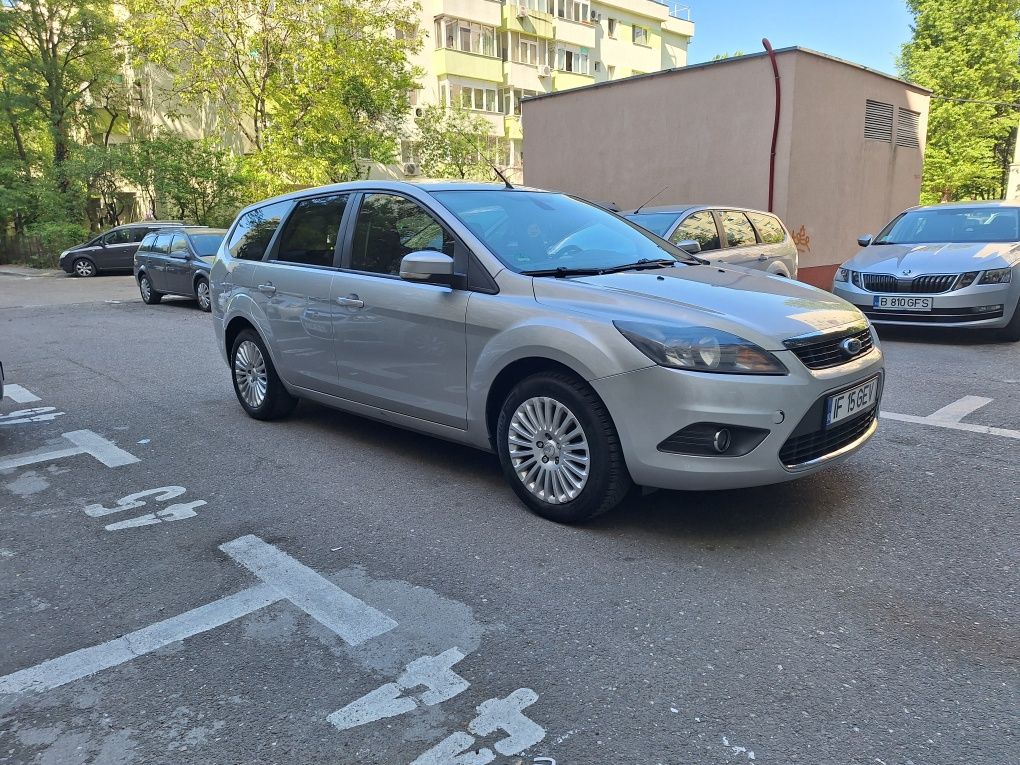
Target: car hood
x=934, y=258
x=764, y=309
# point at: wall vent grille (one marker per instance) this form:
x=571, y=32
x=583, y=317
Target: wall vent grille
x=878, y=121
x=907, y=133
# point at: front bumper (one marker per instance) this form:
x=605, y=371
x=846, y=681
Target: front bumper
x=979, y=305
x=650, y=404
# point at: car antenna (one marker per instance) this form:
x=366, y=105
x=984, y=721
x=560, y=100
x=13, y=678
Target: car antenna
x=653, y=196
x=501, y=176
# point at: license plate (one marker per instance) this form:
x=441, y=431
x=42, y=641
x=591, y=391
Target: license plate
x=899, y=303
x=850, y=403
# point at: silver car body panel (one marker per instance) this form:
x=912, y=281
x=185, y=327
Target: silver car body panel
x=425, y=357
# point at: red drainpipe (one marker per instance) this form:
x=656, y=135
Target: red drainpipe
x=775, y=124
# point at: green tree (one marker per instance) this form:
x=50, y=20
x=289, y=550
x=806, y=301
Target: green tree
x=966, y=52
x=455, y=143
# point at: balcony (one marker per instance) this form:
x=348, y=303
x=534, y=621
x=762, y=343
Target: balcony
x=471, y=65
x=676, y=10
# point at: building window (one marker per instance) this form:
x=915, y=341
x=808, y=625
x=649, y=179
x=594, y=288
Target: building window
x=573, y=10
x=528, y=50
x=510, y=99
x=610, y=72
x=878, y=121
x=479, y=99
x=573, y=59
x=639, y=35
x=611, y=28
x=908, y=128
x=466, y=36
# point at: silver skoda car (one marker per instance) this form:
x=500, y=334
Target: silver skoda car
x=950, y=265
x=588, y=353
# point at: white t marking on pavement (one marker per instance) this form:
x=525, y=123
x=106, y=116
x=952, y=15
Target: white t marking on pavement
x=85, y=442
x=283, y=578
x=432, y=672
x=19, y=395
x=352, y=619
x=949, y=417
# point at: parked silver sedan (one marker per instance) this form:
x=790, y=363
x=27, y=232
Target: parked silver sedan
x=949, y=265
x=735, y=236
x=587, y=353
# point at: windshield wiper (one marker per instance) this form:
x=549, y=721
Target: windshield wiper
x=640, y=265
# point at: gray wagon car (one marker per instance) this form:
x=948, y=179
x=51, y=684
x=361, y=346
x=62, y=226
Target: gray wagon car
x=950, y=265
x=587, y=353
x=733, y=235
x=113, y=250
x=176, y=261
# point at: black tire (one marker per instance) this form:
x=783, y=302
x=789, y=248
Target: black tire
x=1011, y=332
x=84, y=268
x=204, y=298
x=608, y=481
x=276, y=402
x=148, y=292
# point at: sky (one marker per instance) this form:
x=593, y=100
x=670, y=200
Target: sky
x=868, y=32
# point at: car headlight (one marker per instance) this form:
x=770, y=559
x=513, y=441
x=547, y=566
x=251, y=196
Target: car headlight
x=843, y=275
x=700, y=349
x=996, y=276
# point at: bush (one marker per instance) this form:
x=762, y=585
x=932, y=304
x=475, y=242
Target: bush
x=48, y=239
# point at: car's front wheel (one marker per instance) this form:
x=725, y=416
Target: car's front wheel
x=559, y=449
x=83, y=267
x=149, y=295
x=256, y=383
x=202, y=294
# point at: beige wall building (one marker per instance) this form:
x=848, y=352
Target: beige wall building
x=849, y=145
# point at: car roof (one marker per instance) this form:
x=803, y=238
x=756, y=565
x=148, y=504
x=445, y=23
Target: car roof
x=190, y=230
x=992, y=204
x=683, y=208
x=429, y=186
x=143, y=223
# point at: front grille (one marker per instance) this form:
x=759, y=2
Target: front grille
x=812, y=446
x=919, y=285
x=825, y=352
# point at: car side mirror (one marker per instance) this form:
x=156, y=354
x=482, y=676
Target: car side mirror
x=690, y=246
x=428, y=267
x=864, y=240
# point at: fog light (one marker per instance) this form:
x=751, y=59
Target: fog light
x=721, y=440
x=986, y=308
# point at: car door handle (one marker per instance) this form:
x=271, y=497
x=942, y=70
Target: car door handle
x=351, y=302
x=267, y=288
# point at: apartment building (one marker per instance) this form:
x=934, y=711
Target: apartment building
x=487, y=55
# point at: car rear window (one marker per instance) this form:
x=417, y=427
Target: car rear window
x=657, y=223
x=206, y=244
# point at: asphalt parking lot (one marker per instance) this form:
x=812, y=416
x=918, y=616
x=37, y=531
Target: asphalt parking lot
x=182, y=584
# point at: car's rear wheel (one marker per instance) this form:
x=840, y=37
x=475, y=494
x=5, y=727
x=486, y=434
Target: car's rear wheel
x=202, y=294
x=83, y=267
x=257, y=385
x=1011, y=332
x=559, y=449
x=149, y=295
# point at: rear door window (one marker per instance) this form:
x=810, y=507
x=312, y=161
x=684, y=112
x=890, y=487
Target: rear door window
x=254, y=231
x=161, y=244
x=701, y=228
x=738, y=229
x=310, y=234
x=769, y=228
x=179, y=245
x=147, y=244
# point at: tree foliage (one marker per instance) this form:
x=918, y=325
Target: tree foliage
x=455, y=143
x=967, y=50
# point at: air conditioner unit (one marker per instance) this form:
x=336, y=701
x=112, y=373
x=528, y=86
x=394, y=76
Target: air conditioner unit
x=545, y=71
x=410, y=168
x=522, y=11
x=419, y=112
x=596, y=17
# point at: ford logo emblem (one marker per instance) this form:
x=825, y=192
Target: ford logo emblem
x=851, y=346
x=906, y=272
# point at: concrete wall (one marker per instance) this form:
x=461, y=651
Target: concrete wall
x=706, y=131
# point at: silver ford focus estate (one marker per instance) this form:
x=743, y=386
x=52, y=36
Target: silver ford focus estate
x=589, y=354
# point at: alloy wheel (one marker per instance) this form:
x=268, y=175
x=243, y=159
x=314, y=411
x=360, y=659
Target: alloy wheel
x=549, y=450
x=145, y=287
x=250, y=374
x=84, y=268
x=202, y=293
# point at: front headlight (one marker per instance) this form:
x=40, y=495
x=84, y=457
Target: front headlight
x=700, y=349
x=996, y=276
x=843, y=275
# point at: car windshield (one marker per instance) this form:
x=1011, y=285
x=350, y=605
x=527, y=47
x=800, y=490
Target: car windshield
x=657, y=223
x=956, y=224
x=542, y=231
x=206, y=244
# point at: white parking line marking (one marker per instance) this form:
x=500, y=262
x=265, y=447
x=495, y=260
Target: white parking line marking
x=19, y=395
x=85, y=442
x=283, y=579
x=959, y=409
x=352, y=619
x=432, y=672
x=88, y=661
